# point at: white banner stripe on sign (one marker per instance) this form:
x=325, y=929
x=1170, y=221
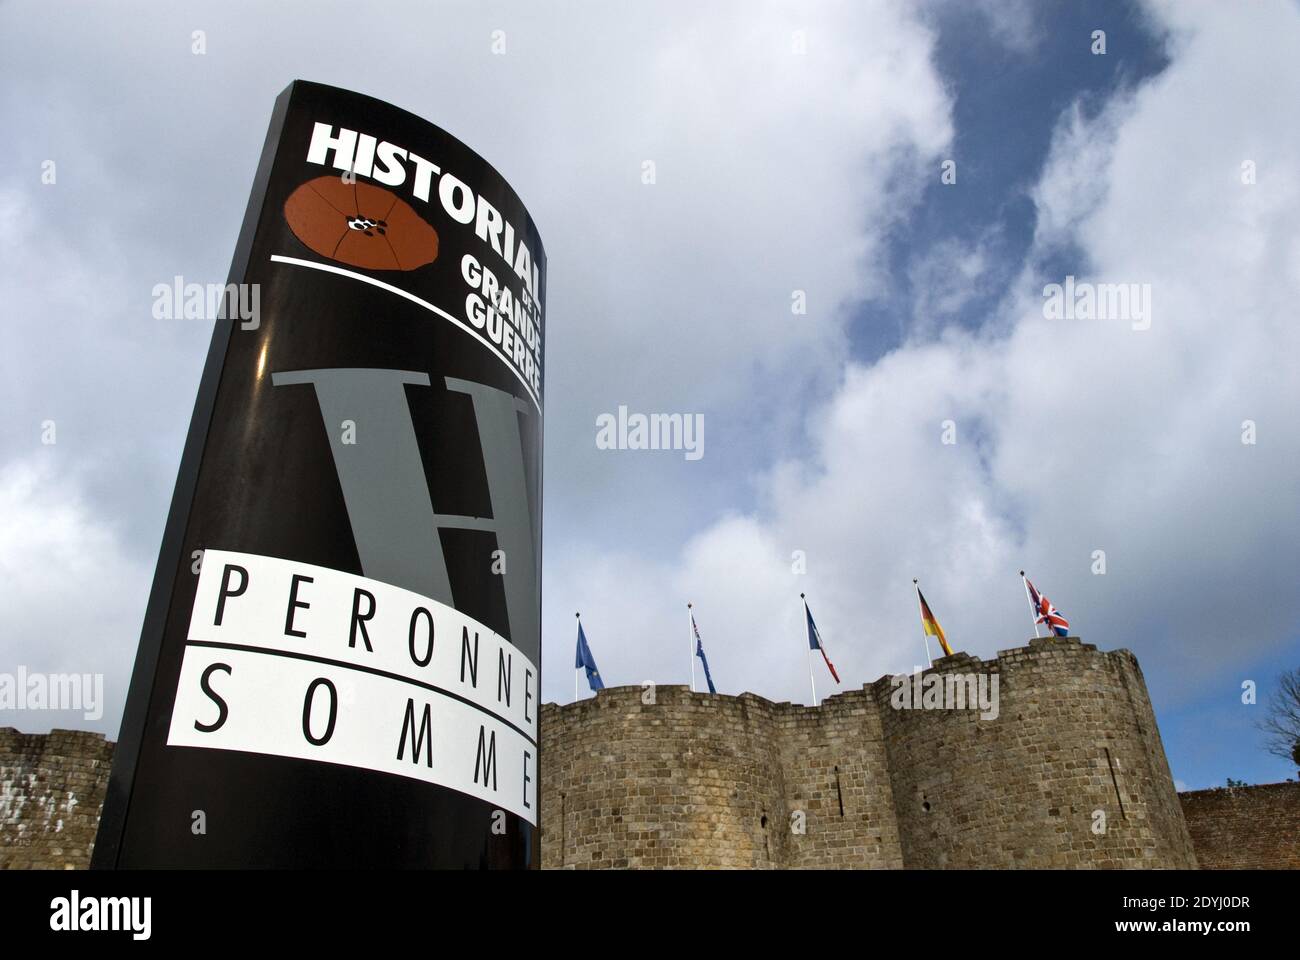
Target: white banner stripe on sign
x=264, y=651
x=334, y=713
x=295, y=660
x=246, y=600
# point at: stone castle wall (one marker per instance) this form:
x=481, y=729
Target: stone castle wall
x=1237, y=828
x=691, y=780
x=1071, y=773
x=51, y=790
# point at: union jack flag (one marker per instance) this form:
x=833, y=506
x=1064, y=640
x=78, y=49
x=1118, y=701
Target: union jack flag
x=1046, y=613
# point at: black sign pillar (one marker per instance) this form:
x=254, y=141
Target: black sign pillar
x=339, y=660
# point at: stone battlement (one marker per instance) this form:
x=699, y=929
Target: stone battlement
x=1068, y=771
x=1246, y=827
x=51, y=790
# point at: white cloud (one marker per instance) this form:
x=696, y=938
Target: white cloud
x=1013, y=22
x=946, y=277
x=1076, y=178
x=776, y=171
x=70, y=592
x=1073, y=435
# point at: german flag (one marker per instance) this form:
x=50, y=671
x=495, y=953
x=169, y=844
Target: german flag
x=930, y=625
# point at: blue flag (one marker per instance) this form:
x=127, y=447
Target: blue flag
x=587, y=661
x=699, y=652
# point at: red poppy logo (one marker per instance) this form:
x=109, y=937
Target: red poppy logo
x=360, y=224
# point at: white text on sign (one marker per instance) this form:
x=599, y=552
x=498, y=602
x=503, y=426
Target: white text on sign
x=296, y=660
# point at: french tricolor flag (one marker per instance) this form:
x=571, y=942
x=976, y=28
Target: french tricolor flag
x=815, y=640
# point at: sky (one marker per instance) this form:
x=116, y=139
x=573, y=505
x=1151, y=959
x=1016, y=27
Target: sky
x=799, y=151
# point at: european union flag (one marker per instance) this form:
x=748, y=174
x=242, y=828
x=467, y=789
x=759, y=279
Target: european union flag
x=587, y=661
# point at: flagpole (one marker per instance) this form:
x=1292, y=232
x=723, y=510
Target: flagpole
x=1029, y=597
x=811, y=680
x=921, y=610
x=577, y=619
x=690, y=638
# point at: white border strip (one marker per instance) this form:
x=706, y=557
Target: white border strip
x=328, y=268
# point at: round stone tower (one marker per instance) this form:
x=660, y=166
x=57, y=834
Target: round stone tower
x=1067, y=770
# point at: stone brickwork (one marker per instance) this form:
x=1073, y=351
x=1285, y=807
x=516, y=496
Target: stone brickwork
x=51, y=790
x=836, y=772
x=1237, y=828
x=1071, y=773
x=691, y=780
